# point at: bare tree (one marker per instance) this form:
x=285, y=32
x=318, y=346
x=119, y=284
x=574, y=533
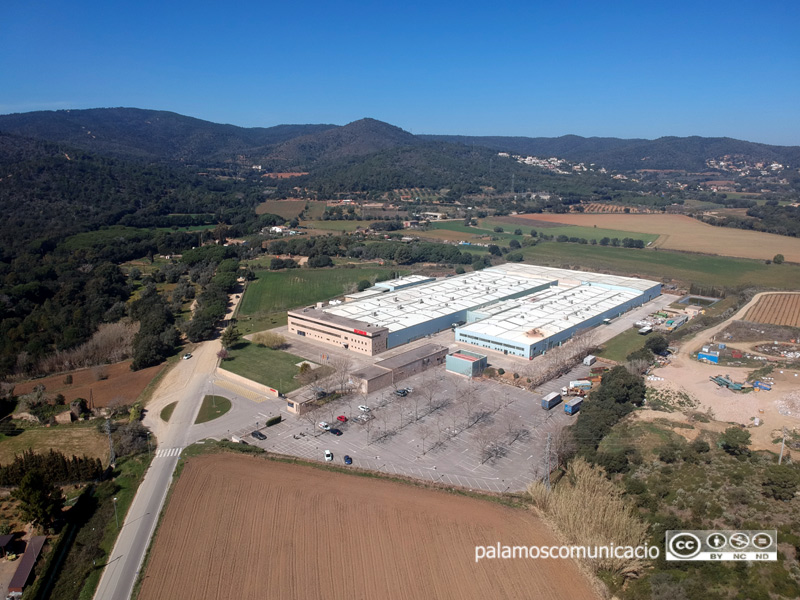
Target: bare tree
x=469, y=401
x=563, y=447
x=425, y=432
x=483, y=440
x=342, y=366
x=429, y=389
x=514, y=428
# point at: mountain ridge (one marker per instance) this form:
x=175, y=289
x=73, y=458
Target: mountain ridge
x=168, y=136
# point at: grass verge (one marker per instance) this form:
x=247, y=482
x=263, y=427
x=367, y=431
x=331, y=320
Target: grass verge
x=273, y=368
x=212, y=408
x=618, y=347
x=167, y=411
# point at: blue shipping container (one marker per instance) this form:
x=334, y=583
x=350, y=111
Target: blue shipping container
x=573, y=406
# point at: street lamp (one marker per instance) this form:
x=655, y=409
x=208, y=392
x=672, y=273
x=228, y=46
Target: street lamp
x=116, y=517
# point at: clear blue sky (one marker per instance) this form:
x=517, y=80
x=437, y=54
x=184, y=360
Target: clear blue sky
x=622, y=69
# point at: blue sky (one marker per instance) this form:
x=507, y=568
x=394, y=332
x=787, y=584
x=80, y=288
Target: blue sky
x=621, y=69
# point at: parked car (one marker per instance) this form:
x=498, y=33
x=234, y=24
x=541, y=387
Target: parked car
x=258, y=435
x=363, y=408
x=187, y=356
x=341, y=419
x=335, y=431
x=328, y=456
x=324, y=425
x=409, y=389
x=348, y=460
x=400, y=393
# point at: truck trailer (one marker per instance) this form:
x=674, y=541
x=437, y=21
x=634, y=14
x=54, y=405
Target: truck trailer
x=573, y=406
x=551, y=400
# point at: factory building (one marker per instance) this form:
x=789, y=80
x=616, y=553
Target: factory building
x=517, y=309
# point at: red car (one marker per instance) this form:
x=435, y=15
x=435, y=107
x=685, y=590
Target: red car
x=342, y=418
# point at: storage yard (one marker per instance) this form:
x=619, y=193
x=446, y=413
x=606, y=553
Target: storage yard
x=306, y=537
x=516, y=309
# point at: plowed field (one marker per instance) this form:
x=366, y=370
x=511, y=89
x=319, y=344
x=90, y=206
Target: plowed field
x=776, y=309
x=679, y=232
x=238, y=527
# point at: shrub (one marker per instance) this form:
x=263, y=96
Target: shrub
x=735, y=441
x=68, y=380
x=501, y=371
x=273, y=421
x=588, y=509
x=270, y=340
x=781, y=482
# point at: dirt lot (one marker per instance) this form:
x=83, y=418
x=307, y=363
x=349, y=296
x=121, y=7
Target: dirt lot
x=679, y=232
x=687, y=375
x=239, y=527
x=776, y=309
x=122, y=384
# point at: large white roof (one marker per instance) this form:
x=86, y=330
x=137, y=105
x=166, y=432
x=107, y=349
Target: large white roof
x=531, y=318
x=420, y=303
x=424, y=302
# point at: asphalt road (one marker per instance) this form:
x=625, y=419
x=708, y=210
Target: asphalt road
x=186, y=384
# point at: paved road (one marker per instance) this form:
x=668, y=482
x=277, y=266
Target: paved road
x=185, y=384
x=190, y=380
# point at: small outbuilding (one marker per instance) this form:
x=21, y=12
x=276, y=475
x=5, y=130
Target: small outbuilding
x=464, y=362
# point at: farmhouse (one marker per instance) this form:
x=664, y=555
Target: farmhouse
x=517, y=309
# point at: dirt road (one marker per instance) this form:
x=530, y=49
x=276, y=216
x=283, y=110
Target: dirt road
x=690, y=376
x=238, y=527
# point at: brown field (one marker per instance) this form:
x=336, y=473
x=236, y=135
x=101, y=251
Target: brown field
x=776, y=309
x=122, y=386
x=679, y=232
x=239, y=527
x=288, y=209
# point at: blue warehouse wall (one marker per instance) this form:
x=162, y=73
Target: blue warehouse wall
x=415, y=332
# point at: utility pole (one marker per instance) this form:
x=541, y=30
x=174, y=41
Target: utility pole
x=783, y=444
x=547, y=463
x=111, y=457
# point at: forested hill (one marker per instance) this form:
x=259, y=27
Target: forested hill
x=151, y=134
x=49, y=191
x=165, y=136
x=684, y=153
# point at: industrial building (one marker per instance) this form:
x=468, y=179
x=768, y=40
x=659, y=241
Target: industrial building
x=517, y=309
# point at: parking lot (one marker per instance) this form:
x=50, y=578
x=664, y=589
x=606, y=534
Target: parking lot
x=479, y=435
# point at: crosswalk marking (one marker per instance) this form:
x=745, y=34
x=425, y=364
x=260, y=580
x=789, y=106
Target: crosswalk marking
x=166, y=452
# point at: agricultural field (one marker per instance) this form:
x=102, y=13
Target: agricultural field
x=649, y=264
x=306, y=537
x=78, y=439
x=274, y=292
x=335, y=226
x=776, y=309
x=679, y=232
x=288, y=209
x=601, y=207
x=107, y=384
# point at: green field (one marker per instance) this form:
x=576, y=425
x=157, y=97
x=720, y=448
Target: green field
x=617, y=348
x=273, y=368
x=660, y=264
x=336, y=226
x=288, y=209
x=212, y=408
x=78, y=438
x=274, y=292
x=595, y=233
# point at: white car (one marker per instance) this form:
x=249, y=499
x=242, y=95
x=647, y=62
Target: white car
x=324, y=425
x=328, y=456
x=187, y=356
x=363, y=408
x=409, y=389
